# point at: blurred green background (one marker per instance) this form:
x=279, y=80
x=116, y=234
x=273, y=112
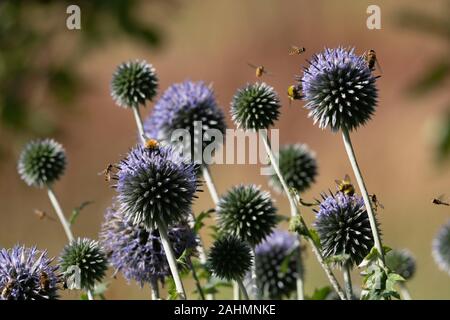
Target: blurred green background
x=55, y=82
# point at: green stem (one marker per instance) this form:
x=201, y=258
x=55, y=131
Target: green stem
x=197, y=281
x=155, y=289
x=359, y=178
x=347, y=281
x=295, y=212
x=171, y=259
x=90, y=295
x=236, y=292
x=139, y=124
x=405, y=292
x=62, y=218
x=243, y=290
x=254, y=284
x=210, y=184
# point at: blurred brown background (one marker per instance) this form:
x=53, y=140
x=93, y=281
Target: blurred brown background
x=213, y=41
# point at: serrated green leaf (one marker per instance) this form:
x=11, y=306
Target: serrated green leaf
x=321, y=293
x=338, y=259
x=76, y=211
x=199, y=224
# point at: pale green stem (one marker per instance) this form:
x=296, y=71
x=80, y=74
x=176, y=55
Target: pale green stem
x=359, y=178
x=347, y=281
x=155, y=289
x=171, y=259
x=405, y=292
x=243, y=290
x=62, y=218
x=254, y=284
x=295, y=212
x=90, y=295
x=236, y=292
x=210, y=184
x=140, y=126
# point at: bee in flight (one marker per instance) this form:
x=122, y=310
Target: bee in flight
x=107, y=172
x=259, y=70
x=345, y=186
x=376, y=202
x=440, y=201
x=371, y=58
x=294, y=50
x=294, y=92
x=41, y=214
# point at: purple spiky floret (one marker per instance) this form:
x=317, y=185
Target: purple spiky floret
x=340, y=89
x=27, y=274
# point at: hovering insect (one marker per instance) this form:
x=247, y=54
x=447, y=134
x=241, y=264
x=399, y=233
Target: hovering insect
x=41, y=214
x=294, y=92
x=44, y=281
x=440, y=201
x=6, y=292
x=152, y=144
x=345, y=186
x=294, y=50
x=259, y=70
x=107, y=172
x=376, y=202
x=372, y=61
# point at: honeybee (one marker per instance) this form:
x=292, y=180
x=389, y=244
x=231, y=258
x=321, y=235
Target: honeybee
x=259, y=70
x=152, y=144
x=371, y=58
x=375, y=202
x=345, y=186
x=44, y=281
x=41, y=214
x=107, y=172
x=294, y=92
x=6, y=292
x=294, y=50
x=440, y=201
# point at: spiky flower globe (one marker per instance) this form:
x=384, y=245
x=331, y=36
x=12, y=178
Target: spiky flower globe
x=256, y=106
x=134, y=83
x=276, y=266
x=230, y=258
x=401, y=262
x=42, y=162
x=85, y=259
x=248, y=213
x=441, y=248
x=340, y=89
x=156, y=185
x=190, y=106
x=137, y=253
x=344, y=228
x=27, y=274
x=298, y=166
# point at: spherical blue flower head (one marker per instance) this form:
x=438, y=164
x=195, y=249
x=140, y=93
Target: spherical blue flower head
x=156, y=185
x=344, y=227
x=27, y=274
x=441, y=248
x=401, y=262
x=183, y=105
x=137, y=253
x=42, y=162
x=276, y=280
x=255, y=107
x=134, y=83
x=340, y=89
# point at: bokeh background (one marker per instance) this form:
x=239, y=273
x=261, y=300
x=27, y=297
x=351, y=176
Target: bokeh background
x=55, y=82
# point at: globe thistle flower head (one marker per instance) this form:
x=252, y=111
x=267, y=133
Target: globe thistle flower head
x=248, y=213
x=42, y=162
x=190, y=106
x=340, y=89
x=134, y=83
x=230, y=258
x=255, y=107
x=137, y=252
x=156, y=184
x=276, y=279
x=441, y=248
x=344, y=228
x=298, y=166
x=401, y=262
x=86, y=257
x=27, y=274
